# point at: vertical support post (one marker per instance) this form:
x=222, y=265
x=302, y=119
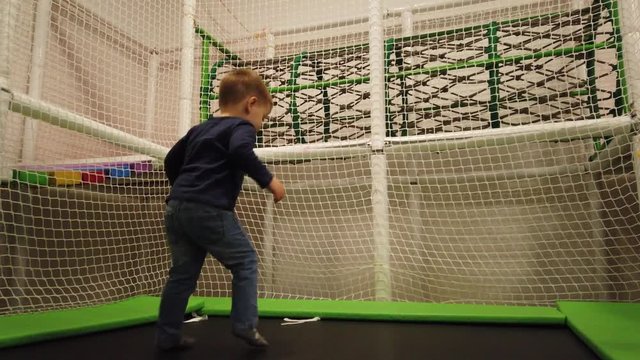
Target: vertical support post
x=5, y=96
x=204, y=81
x=380, y=205
x=269, y=216
x=270, y=51
x=5, y=42
x=40, y=36
x=293, y=105
x=598, y=227
x=269, y=241
x=494, y=74
x=379, y=189
x=406, y=18
x=415, y=191
x=18, y=253
x=186, y=66
x=152, y=86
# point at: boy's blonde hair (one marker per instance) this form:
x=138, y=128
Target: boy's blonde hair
x=239, y=84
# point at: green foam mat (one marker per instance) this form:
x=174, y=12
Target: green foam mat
x=611, y=329
x=27, y=328
x=395, y=311
x=31, y=177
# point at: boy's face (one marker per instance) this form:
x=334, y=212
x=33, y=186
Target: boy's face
x=257, y=111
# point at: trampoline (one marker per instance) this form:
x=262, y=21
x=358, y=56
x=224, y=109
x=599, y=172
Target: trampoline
x=331, y=339
x=347, y=330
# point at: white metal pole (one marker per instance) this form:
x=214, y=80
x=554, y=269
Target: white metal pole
x=271, y=45
x=630, y=29
x=269, y=238
x=580, y=4
x=8, y=13
x=38, y=56
x=380, y=204
x=152, y=86
x=604, y=161
x=415, y=195
x=186, y=66
x=267, y=256
x=406, y=17
x=5, y=97
x=52, y=114
x=612, y=126
x=379, y=189
x=5, y=44
x=376, y=62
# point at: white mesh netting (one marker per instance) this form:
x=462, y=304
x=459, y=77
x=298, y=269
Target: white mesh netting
x=495, y=165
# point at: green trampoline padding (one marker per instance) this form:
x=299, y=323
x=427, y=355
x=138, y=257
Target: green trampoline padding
x=27, y=328
x=611, y=329
x=395, y=311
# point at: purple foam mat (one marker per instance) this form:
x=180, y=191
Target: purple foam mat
x=144, y=166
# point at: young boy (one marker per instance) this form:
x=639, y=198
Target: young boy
x=206, y=169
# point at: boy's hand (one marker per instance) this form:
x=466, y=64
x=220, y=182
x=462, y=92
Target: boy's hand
x=277, y=189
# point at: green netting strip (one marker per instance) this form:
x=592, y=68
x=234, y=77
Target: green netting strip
x=395, y=311
x=611, y=329
x=27, y=328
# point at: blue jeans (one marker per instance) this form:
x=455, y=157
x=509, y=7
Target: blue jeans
x=193, y=230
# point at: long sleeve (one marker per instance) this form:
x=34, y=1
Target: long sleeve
x=241, y=153
x=175, y=159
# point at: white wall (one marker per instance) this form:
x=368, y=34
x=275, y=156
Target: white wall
x=96, y=65
x=19, y=60
x=155, y=24
x=630, y=21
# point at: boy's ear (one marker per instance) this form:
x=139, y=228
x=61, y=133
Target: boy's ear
x=251, y=102
x=246, y=105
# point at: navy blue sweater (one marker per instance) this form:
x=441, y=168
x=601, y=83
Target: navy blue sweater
x=208, y=164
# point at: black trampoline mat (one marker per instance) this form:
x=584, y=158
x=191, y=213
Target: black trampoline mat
x=326, y=339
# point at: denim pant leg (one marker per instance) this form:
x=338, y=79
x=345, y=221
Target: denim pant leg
x=235, y=251
x=187, y=258
x=242, y=260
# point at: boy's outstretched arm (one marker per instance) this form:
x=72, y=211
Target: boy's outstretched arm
x=241, y=153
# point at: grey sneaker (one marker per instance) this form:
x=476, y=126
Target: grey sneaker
x=251, y=337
